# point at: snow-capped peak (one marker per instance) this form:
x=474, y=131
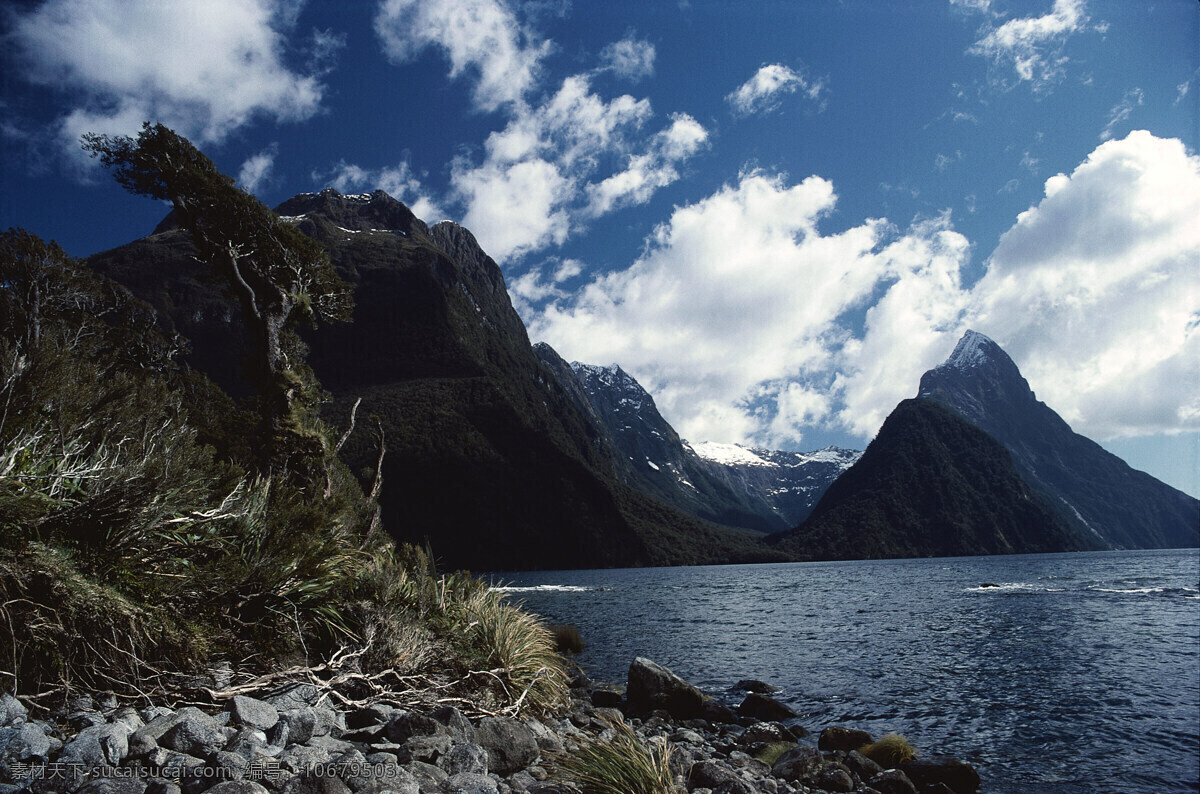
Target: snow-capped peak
x=971, y=351
x=729, y=454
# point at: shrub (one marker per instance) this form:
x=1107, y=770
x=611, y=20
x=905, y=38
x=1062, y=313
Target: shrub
x=889, y=751
x=621, y=764
x=566, y=638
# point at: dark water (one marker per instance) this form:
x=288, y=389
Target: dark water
x=1077, y=673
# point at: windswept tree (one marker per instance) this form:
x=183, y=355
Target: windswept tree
x=279, y=277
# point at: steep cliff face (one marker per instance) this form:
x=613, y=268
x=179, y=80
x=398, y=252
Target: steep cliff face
x=487, y=456
x=929, y=485
x=1102, y=498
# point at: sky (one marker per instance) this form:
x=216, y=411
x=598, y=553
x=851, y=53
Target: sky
x=775, y=215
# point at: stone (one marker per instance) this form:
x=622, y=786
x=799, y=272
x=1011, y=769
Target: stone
x=651, y=686
x=229, y=766
x=892, y=781
x=716, y=711
x=765, y=733
x=406, y=724
x=710, y=774
x=113, y=785
x=194, y=733
x=835, y=777
x=548, y=741
x=466, y=757
x=315, y=783
x=959, y=777
x=736, y=786
x=606, y=698
x=129, y=717
x=798, y=762
x=765, y=708
x=427, y=775
x=427, y=748
x=469, y=783
x=836, y=737
x=460, y=728
x=294, y=696
x=860, y=765
x=25, y=741
x=157, y=785
x=238, y=787
x=12, y=711
x=510, y=744
x=98, y=745
x=754, y=685
x=301, y=723
x=375, y=714
x=253, y=713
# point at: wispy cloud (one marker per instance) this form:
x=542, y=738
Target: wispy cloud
x=399, y=181
x=205, y=67
x=631, y=58
x=764, y=92
x=1121, y=111
x=1032, y=46
x=256, y=171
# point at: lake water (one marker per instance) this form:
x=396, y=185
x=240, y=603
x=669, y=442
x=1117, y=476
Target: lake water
x=1058, y=673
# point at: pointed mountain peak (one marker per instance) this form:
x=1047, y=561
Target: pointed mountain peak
x=376, y=211
x=975, y=350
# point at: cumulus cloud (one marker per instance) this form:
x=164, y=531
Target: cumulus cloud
x=398, y=181
x=257, y=169
x=1095, y=292
x=480, y=37
x=758, y=334
x=1032, y=46
x=204, y=67
x=764, y=92
x=631, y=58
x=536, y=179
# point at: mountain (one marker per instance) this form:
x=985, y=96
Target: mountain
x=1102, y=497
x=930, y=484
x=487, y=456
x=753, y=489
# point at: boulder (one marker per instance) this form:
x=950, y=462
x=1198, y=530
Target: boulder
x=12, y=711
x=404, y=725
x=652, y=686
x=860, y=765
x=194, y=733
x=510, y=744
x=470, y=783
x=892, y=781
x=315, y=783
x=735, y=786
x=754, y=685
x=238, y=787
x=716, y=711
x=25, y=741
x=799, y=762
x=294, y=696
x=466, y=757
x=765, y=708
x=835, y=777
x=301, y=723
x=710, y=774
x=113, y=785
x=253, y=713
x=835, y=737
x=959, y=777
x=460, y=728
x=98, y=745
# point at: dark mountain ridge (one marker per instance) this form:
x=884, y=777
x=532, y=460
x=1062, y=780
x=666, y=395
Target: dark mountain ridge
x=1099, y=495
x=487, y=456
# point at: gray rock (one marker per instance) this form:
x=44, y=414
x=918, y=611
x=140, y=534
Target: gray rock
x=765, y=708
x=294, y=696
x=299, y=758
x=510, y=744
x=380, y=778
x=238, y=787
x=247, y=743
x=716, y=711
x=151, y=713
x=253, y=713
x=860, y=765
x=78, y=720
x=98, y=745
x=765, y=733
x=12, y=711
x=736, y=786
x=159, y=786
x=129, y=717
x=194, y=733
x=113, y=785
x=280, y=734
x=469, y=783
x=835, y=777
x=892, y=781
x=460, y=728
x=798, y=762
x=301, y=723
x=754, y=685
x=547, y=740
x=25, y=741
x=427, y=774
x=466, y=757
x=404, y=725
x=835, y=737
x=425, y=748
x=229, y=766
x=710, y=774
x=312, y=783
x=652, y=686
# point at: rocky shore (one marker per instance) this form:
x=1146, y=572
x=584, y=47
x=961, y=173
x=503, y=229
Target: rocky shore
x=292, y=740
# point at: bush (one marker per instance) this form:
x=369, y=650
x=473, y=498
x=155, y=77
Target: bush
x=566, y=638
x=621, y=764
x=889, y=751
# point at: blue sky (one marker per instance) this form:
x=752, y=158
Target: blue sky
x=776, y=215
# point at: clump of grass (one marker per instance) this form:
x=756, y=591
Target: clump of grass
x=889, y=751
x=770, y=754
x=520, y=644
x=566, y=638
x=621, y=764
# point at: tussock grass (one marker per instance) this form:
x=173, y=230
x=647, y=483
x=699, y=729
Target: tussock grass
x=889, y=751
x=622, y=764
x=567, y=638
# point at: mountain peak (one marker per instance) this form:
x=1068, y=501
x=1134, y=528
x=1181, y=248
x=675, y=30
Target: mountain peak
x=973, y=350
x=358, y=212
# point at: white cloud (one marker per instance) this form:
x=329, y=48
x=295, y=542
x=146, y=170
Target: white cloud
x=535, y=181
x=257, y=169
x=483, y=37
x=631, y=58
x=1121, y=111
x=977, y=6
x=398, y=181
x=944, y=161
x=1032, y=46
x=533, y=286
x=1095, y=292
x=763, y=92
x=204, y=67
